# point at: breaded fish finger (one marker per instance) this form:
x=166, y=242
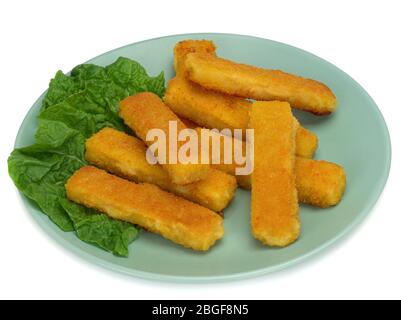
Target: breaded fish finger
x=125, y=156
x=216, y=110
x=205, y=107
x=260, y=84
x=146, y=205
x=274, y=204
x=319, y=183
x=182, y=48
x=306, y=143
x=145, y=111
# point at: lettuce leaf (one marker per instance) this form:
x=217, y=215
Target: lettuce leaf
x=75, y=107
x=96, y=228
x=39, y=171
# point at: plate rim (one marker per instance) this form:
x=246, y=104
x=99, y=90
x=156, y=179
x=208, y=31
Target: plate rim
x=82, y=254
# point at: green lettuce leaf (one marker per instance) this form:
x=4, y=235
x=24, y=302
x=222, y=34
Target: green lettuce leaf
x=61, y=86
x=75, y=107
x=78, y=111
x=39, y=171
x=96, y=228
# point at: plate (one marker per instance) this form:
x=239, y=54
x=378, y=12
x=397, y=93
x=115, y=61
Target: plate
x=355, y=136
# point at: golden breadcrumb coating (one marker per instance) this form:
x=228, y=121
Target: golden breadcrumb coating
x=306, y=143
x=182, y=48
x=212, y=109
x=125, y=156
x=205, y=107
x=319, y=183
x=146, y=205
x=145, y=111
x=247, y=81
x=274, y=205
x=188, y=123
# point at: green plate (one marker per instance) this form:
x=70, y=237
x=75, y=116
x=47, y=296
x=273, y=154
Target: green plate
x=355, y=136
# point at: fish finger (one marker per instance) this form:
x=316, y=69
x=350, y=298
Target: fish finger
x=319, y=183
x=125, y=156
x=212, y=109
x=247, y=81
x=145, y=111
x=306, y=143
x=182, y=48
x=146, y=205
x=274, y=201
x=205, y=107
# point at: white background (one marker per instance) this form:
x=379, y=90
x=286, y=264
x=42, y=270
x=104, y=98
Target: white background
x=40, y=37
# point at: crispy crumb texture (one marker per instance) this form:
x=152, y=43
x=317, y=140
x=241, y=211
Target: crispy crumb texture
x=125, y=156
x=145, y=111
x=207, y=108
x=274, y=205
x=182, y=48
x=320, y=183
x=212, y=109
x=146, y=205
x=247, y=81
